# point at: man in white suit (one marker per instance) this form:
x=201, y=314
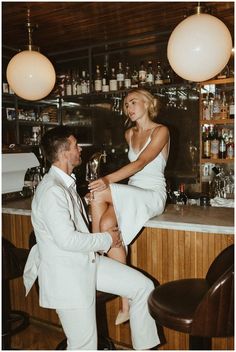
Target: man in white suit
x=65, y=260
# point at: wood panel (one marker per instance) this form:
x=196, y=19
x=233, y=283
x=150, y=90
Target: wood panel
x=169, y=255
x=164, y=254
x=17, y=229
x=65, y=27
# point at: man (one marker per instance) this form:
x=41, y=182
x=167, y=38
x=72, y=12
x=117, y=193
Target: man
x=65, y=259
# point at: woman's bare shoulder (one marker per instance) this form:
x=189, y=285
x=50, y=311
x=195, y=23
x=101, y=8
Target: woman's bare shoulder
x=160, y=128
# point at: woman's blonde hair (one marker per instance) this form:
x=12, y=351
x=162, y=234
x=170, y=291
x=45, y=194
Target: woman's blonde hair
x=153, y=102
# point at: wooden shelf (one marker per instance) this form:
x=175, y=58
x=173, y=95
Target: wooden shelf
x=217, y=122
x=218, y=81
x=217, y=161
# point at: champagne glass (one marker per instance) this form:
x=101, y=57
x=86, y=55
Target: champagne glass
x=91, y=172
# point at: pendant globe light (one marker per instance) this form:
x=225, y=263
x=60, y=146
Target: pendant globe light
x=29, y=73
x=199, y=47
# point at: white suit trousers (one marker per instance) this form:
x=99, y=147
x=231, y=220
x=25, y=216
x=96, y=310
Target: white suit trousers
x=113, y=277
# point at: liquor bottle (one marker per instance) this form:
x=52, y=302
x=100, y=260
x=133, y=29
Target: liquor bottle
x=231, y=106
x=159, y=74
x=230, y=149
x=74, y=83
x=205, y=107
x=120, y=76
x=142, y=73
x=222, y=145
x=105, y=80
x=149, y=76
x=78, y=85
x=206, y=143
x=134, y=78
x=88, y=83
x=181, y=198
x=84, y=88
x=113, y=81
x=127, y=82
x=217, y=106
x=168, y=75
x=68, y=85
x=214, y=142
x=98, y=80
x=224, y=108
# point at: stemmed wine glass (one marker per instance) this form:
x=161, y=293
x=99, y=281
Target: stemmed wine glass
x=91, y=172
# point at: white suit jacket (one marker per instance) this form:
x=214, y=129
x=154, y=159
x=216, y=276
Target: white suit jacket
x=64, y=257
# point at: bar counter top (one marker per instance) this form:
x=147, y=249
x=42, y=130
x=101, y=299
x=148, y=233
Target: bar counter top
x=175, y=217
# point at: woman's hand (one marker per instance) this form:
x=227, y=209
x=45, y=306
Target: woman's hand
x=98, y=185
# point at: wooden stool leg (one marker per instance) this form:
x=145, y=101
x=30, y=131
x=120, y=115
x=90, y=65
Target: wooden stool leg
x=199, y=343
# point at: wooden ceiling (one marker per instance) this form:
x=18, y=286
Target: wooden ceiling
x=67, y=29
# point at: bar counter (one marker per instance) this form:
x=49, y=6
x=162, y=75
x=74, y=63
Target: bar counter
x=180, y=243
x=175, y=217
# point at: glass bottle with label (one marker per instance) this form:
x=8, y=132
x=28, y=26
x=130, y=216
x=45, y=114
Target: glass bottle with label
x=127, y=77
x=98, y=80
x=206, y=143
x=134, y=78
x=113, y=81
x=84, y=88
x=206, y=107
x=142, y=73
x=222, y=145
x=120, y=76
x=150, y=76
x=105, y=80
x=159, y=74
x=231, y=106
x=78, y=85
x=68, y=85
x=230, y=149
x=224, y=109
x=217, y=106
x=214, y=142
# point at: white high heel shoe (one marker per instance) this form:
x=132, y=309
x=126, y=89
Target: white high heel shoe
x=122, y=317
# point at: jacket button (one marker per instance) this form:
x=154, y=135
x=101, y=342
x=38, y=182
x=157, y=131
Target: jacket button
x=93, y=260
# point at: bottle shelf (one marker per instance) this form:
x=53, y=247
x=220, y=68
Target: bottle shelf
x=218, y=81
x=217, y=122
x=216, y=161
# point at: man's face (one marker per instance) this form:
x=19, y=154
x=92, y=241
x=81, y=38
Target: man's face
x=74, y=153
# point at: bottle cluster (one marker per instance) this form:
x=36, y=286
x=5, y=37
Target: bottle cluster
x=115, y=78
x=218, y=106
x=217, y=142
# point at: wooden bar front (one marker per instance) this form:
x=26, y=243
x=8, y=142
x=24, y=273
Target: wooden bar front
x=164, y=254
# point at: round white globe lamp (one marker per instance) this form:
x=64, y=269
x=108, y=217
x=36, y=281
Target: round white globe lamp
x=31, y=75
x=199, y=47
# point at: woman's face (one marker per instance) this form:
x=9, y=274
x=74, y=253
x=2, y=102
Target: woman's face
x=135, y=106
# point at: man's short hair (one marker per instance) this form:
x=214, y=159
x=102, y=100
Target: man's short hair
x=55, y=140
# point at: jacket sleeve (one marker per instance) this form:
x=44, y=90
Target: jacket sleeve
x=53, y=212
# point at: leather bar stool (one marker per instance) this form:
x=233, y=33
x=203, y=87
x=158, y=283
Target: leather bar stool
x=202, y=308
x=104, y=341
x=13, y=262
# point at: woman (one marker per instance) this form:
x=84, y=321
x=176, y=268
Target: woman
x=130, y=206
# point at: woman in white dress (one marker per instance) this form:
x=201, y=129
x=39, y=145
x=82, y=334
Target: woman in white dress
x=130, y=206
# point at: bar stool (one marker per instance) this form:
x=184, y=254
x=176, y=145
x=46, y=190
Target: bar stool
x=104, y=341
x=13, y=262
x=202, y=308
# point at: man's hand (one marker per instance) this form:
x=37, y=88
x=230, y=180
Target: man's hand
x=115, y=234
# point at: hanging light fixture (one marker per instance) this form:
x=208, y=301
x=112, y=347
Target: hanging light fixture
x=29, y=73
x=199, y=47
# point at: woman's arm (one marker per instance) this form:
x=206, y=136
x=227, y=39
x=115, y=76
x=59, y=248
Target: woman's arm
x=159, y=139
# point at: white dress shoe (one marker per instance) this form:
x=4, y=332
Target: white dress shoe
x=122, y=317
